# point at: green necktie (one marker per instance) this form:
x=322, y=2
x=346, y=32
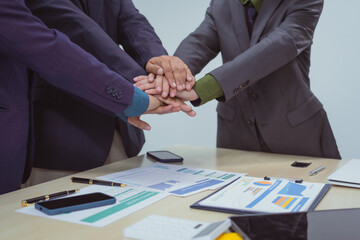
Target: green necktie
x=256, y=3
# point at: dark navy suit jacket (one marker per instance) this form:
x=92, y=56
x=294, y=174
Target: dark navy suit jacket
x=69, y=135
x=26, y=42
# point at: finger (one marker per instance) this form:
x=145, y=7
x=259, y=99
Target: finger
x=185, y=108
x=188, y=110
x=140, y=78
x=190, y=79
x=168, y=101
x=189, y=76
x=191, y=113
x=146, y=86
x=151, y=91
x=176, y=68
x=172, y=92
x=176, y=109
x=151, y=77
x=158, y=83
x=153, y=67
x=165, y=88
x=184, y=76
x=169, y=73
x=141, y=82
x=161, y=110
x=137, y=122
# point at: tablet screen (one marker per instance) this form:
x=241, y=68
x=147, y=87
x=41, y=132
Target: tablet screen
x=326, y=224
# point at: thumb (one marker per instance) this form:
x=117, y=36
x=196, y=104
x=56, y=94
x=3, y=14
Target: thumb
x=137, y=122
x=154, y=68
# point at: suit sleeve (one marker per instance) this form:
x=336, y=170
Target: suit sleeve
x=201, y=46
x=64, y=64
x=273, y=51
x=279, y=47
x=85, y=32
x=137, y=36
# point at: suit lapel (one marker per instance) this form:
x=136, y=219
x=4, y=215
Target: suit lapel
x=239, y=23
x=268, y=7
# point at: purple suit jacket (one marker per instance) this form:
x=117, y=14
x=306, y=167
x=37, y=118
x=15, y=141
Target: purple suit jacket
x=80, y=137
x=26, y=42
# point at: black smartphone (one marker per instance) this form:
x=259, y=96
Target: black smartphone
x=164, y=156
x=75, y=203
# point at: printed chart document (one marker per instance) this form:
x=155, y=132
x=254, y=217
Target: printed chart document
x=128, y=200
x=178, y=180
x=348, y=175
x=251, y=195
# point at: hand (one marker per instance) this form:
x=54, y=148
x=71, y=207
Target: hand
x=176, y=71
x=155, y=106
x=176, y=103
x=159, y=105
x=187, y=95
x=160, y=85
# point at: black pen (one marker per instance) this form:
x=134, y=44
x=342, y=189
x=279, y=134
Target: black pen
x=97, y=182
x=289, y=179
x=31, y=201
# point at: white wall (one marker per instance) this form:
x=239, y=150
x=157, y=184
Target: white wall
x=334, y=73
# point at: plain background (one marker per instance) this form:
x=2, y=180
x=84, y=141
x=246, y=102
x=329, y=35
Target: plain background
x=334, y=73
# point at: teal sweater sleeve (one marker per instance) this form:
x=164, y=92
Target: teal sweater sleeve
x=140, y=103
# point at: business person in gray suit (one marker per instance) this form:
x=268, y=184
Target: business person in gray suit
x=263, y=85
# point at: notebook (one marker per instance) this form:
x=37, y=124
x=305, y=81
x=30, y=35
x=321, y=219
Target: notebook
x=348, y=175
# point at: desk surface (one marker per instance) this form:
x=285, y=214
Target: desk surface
x=15, y=225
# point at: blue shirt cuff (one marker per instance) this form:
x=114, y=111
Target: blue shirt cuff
x=139, y=104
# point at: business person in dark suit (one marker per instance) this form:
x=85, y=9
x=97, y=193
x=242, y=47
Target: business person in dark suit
x=263, y=85
x=81, y=137
x=25, y=42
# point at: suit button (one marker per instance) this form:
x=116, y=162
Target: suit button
x=254, y=96
x=118, y=95
x=236, y=91
x=109, y=90
x=250, y=123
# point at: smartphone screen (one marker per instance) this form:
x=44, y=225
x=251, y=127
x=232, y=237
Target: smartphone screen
x=75, y=203
x=164, y=156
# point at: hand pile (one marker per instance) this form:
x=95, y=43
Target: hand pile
x=169, y=84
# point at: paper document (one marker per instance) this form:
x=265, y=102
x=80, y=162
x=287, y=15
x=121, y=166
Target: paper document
x=348, y=175
x=250, y=194
x=128, y=200
x=178, y=180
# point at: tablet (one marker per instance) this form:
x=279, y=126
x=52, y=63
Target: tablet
x=327, y=224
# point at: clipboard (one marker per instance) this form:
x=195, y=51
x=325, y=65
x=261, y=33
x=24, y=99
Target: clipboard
x=225, y=199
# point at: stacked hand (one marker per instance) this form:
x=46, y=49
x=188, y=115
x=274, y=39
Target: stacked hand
x=169, y=84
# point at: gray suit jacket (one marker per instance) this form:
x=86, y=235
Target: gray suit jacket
x=265, y=76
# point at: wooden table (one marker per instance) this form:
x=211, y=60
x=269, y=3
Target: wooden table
x=15, y=225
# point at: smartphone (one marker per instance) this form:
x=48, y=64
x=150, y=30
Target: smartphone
x=75, y=203
x=164, y=156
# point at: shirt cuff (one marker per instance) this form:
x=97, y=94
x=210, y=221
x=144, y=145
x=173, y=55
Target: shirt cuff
x=139, y=105
x=208, y=88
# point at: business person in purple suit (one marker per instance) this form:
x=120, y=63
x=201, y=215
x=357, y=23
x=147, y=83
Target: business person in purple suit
x=263, y=85
x=25, y=42
x=81, y=137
